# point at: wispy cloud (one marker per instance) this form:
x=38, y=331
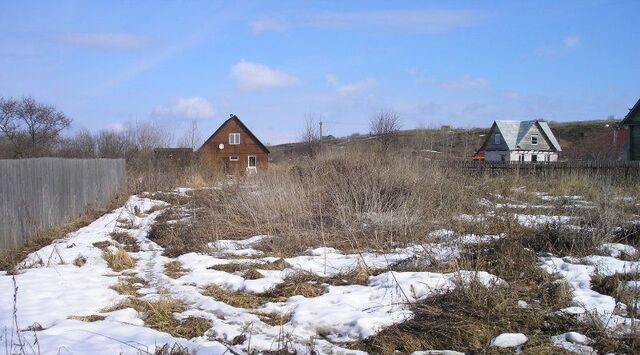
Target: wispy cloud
x=193, y=108
x=352, y=88
x=357, y=87
x=267, y=24
x=569, y=43
x=419, y=20
x=464, y=83
x=106, y=40
x=249, y=75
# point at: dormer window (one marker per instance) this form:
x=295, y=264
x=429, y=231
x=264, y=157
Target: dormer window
x=534, y=139
x=234, y=138
x=497, y=138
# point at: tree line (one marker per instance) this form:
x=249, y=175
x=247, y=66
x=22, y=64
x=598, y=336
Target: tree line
x=30, y=129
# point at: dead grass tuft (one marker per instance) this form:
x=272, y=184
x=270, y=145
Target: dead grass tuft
x=274, y=319
x=175, y=349
x=159, y=315
x=178, y=238
x=235, y=299
x=103, y=245
x=126, y=223
x=129, y=286
x=90, y=318
x=128, y=242
x=118, y=261
x=174, y=269
x=79, y=261
x=252, y=274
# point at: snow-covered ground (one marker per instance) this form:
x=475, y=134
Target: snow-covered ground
x=50, y=289
x=37, y=304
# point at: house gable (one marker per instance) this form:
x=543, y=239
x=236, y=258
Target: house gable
x=525, y=142
x=633, y=116
x=233, y=125
x=517, y=135
x=490, y=141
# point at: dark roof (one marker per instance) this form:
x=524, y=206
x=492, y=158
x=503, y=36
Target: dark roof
x=632, y=112
x=241, y=125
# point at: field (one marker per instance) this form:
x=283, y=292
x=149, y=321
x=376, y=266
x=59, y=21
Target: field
x=340, y=254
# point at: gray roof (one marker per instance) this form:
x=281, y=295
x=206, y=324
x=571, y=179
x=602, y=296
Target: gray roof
x=513, y=132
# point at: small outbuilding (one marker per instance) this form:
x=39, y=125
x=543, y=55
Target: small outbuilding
x=235, y=149
x=519, y=141
x=632, y=122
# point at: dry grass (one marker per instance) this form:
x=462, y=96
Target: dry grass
x=128, y=242
x=90, y=318
x=103, y=245
x=274, y=319
x=235, y=299
x=175, y=349
x=174, y=269
x=126, y=223
x=469, y=316
x=119, y=260
x=159, y=315
x=9, y=259
x=129, y=286
x=279, y=264
x=79, y=261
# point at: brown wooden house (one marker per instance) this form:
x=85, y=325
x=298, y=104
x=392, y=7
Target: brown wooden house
x=235, y=149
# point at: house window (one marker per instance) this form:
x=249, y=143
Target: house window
x=496, y=138
x=234, y=138
x=534, y=139
x=502, y=157
x=534, y=158
x=234, y=158
x=521, y=158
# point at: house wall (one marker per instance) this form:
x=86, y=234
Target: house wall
x=515, y=155
x=212, y=154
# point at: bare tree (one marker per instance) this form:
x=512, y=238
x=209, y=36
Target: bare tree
x=31, y=127
x=81, y=145
x=384, y=125
x=311, y=133
x=191, y=138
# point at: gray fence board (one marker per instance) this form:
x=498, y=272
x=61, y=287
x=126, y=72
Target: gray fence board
x=36, y=194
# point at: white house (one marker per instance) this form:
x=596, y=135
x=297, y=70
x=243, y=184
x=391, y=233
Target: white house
x=522, y=141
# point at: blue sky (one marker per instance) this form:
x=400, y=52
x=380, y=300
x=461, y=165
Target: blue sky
x=106, y=63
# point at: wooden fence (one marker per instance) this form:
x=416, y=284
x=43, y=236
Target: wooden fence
x=36, y=194
x=615, y=170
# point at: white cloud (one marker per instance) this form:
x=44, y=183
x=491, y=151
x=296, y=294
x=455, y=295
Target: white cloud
x=193, y=108
x=464, y=83
x=106, y=40
x=419, y=20
x=571, y=42
x=248, y=75
x=267, y=24
x=357, y=87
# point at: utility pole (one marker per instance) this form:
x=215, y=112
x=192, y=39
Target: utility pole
x=320, y=137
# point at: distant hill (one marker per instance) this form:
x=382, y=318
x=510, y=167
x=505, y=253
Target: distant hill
x=579, y=140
